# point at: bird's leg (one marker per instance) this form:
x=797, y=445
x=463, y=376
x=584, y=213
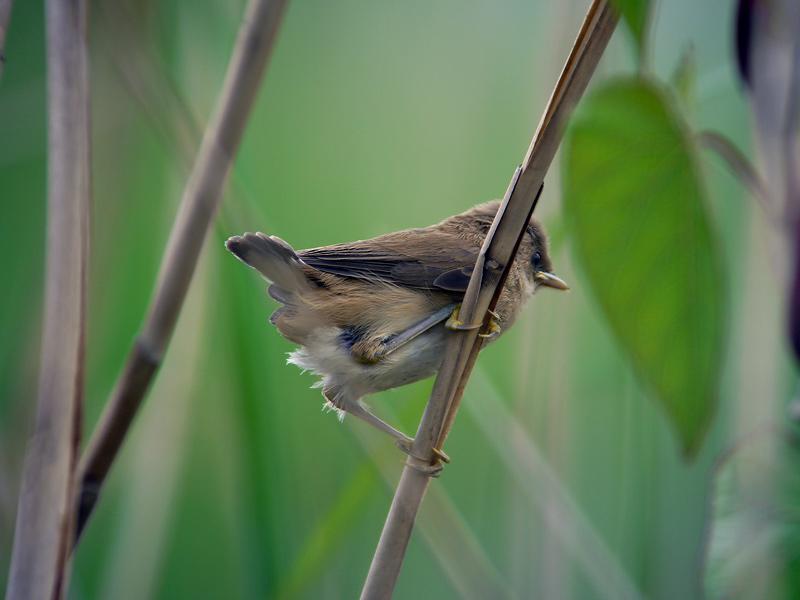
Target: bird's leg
x=371, y=350
x=343, y=401
x=355, y=407
x=456, y=324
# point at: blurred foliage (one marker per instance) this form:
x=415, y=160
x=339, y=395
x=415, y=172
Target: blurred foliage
x=683, y=80
x=636, y=15
x=637, y=206
x=754, y=542
x=373, y=117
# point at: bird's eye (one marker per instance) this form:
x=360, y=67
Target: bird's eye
x=536, y=259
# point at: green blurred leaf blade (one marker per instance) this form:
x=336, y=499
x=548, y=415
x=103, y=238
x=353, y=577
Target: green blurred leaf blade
x=635, y=14
x=636, y=208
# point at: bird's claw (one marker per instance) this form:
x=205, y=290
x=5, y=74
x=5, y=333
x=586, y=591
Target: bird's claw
x=456, y=324
x=492, y=328
x=420, y=464
x=441, y=455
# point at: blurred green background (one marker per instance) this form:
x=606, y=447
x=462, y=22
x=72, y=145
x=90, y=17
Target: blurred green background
x=566, y=480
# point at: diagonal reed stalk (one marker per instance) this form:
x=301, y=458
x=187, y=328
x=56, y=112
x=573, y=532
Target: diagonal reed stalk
x=45, y=520
x=496, y=255
x=454, y=546
x=199, y=204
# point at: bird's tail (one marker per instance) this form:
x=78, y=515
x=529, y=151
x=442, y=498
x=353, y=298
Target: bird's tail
x=274, y=259
x=291, y=286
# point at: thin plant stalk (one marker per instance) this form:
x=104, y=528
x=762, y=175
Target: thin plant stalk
x=459, y=555
x=45, y=519
x=740, y=166
x=496, y=255
x=590, y=43
x=5, y=17
x=201, y=199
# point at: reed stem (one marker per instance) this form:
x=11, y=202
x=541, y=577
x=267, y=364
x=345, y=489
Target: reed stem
x=496, y=256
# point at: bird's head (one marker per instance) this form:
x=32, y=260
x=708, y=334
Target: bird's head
x=533, y=254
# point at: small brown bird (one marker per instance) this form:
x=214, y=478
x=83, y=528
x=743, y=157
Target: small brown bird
x=373, y=315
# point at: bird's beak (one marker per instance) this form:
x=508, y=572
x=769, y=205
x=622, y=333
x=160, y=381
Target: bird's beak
x=550, y=280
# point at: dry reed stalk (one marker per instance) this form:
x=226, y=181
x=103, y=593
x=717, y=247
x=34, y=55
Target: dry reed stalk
x=199, y=204
x=496, y=255
x=45, y=519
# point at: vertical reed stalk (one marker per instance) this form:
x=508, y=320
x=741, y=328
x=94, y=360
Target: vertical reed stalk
x=45, y=520
x=496, y=255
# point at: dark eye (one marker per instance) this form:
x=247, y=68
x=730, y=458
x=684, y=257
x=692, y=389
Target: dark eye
x=536, y=259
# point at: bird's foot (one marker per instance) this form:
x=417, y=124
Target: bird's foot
x=493, y=328
x=420, y=464
x=455, y=323
x=441, y=455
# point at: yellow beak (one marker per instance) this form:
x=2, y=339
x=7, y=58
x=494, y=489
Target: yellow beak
x=550, y=280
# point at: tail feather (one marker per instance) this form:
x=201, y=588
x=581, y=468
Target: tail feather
x=280, y=294
x=273, y=258
x=278, y=262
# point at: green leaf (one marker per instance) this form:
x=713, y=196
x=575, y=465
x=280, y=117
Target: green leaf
x=753, y=548
x=635, y=14
x=636, y=209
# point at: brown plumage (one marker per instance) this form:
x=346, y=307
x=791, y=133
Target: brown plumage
x=351, y=306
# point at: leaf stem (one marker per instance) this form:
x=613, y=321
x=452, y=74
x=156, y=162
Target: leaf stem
x=739, y=165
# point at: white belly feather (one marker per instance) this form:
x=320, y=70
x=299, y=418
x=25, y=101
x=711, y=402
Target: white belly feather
x=324, y=355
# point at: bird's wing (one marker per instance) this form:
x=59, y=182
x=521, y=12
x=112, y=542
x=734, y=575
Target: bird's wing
x=419, y=259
